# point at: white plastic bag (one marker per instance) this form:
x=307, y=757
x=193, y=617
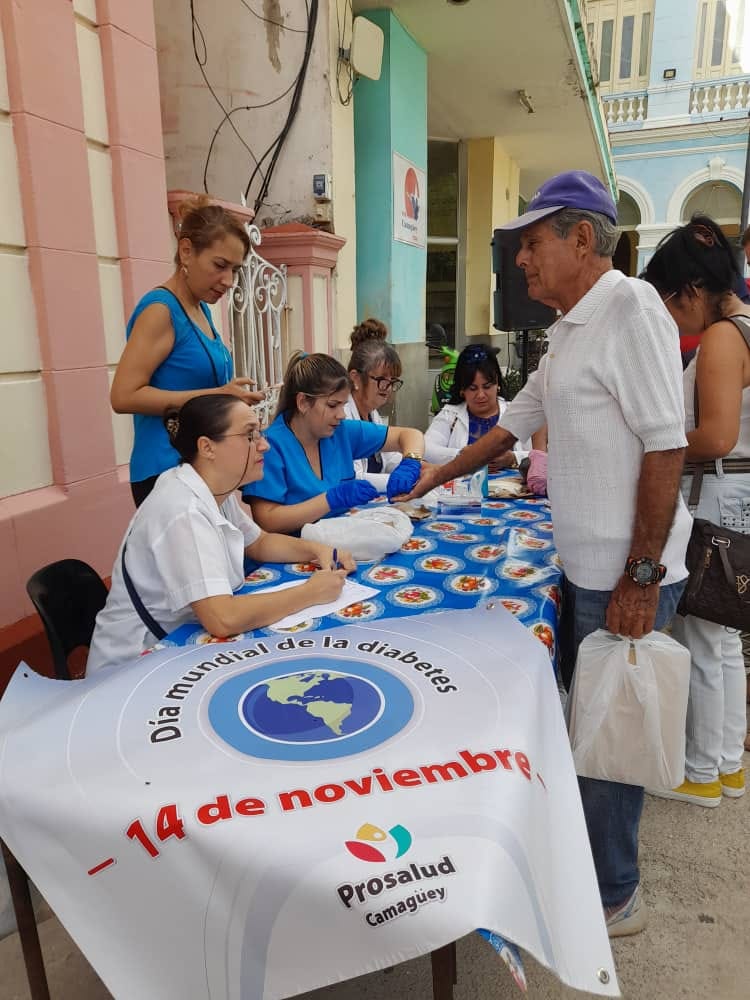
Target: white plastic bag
x=369, y=534
x=627, y=708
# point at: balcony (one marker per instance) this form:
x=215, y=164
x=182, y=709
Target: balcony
x=712, y=98
x=625, y=111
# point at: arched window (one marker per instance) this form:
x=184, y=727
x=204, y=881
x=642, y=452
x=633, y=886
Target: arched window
x=628, y=217
x=720, y=200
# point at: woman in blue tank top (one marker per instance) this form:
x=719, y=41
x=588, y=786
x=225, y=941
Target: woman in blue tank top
x=173, y=349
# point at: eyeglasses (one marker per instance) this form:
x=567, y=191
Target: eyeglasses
x=668, y=297
x=253, y=436
x=384, y=383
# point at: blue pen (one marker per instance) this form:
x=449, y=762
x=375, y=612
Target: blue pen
x=335, y=558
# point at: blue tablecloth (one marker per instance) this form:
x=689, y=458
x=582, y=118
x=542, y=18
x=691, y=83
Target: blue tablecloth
x=503, y=553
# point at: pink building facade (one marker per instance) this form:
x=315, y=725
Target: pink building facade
x=85, y=230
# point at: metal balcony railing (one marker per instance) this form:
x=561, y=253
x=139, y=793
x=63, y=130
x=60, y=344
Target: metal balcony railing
x=257, y=313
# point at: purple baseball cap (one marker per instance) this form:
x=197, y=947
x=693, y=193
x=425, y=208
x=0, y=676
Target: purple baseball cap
x=573, y=189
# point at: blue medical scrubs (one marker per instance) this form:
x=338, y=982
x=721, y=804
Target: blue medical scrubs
x=287, y=475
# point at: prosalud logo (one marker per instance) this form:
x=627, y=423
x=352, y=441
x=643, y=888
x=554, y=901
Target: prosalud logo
x=393, y=844
x=334, y=707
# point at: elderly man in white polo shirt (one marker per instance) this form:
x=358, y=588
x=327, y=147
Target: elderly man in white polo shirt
x=610, y=391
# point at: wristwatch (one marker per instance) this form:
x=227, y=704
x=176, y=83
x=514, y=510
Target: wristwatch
x=645, y=571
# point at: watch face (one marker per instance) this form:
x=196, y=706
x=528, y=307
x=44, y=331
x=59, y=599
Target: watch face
x=644, y=572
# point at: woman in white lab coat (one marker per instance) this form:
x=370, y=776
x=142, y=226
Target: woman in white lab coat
x=374, y=371
x=183, y=555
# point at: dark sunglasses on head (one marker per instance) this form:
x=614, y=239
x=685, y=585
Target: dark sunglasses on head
x=476, y=354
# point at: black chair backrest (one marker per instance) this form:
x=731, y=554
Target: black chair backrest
x=68, y=596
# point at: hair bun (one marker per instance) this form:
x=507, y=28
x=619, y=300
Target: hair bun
x=172, y=422
x=368, y=329
x=195, y=203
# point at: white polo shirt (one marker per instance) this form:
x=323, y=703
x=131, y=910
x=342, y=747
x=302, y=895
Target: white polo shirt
x=610, y=390
x=181, y=547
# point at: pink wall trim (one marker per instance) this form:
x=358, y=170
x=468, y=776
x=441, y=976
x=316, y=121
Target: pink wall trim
x=140, y=192
x=87, y=510
x=53, y=173
x=308, y=253
x=139, y=276
x=135, y=17
x=42, y=61
x=86, y=521
x=80, y=424
x=131, y=76
x=65, y=285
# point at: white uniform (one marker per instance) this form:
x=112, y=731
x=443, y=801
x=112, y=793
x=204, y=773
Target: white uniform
x=390, y=458
x=449, y=433
x=181, y=547
x=609, y=390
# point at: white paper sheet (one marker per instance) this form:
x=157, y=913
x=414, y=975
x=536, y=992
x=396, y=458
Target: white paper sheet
x=351, y=593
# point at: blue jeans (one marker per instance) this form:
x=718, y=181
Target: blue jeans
x=612, y=810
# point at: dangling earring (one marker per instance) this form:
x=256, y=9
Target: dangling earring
x=184, y=271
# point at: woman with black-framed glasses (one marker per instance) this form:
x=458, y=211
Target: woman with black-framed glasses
x=183, y=554
x=374, y=372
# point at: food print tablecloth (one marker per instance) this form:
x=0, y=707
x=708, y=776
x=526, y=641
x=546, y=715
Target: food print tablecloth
x=186, y=813
x=504, y=553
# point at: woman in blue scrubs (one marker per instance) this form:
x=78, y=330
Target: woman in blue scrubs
x=309, y=468
x=174, y=352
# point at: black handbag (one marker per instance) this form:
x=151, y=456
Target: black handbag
x=718, y=588
x=717, y=558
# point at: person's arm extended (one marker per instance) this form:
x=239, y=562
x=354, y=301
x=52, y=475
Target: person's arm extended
x=227, y=614
x=405, y=440
x=150, y=343
x=720, y=376
x=273, y=548
x=539, y=439
x=632, y=609
x=286, y=518
x=468, y=460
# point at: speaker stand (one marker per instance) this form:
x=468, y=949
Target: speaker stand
x=524, y=357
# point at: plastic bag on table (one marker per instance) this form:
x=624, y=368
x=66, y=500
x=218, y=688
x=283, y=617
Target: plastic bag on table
x=627, y=708
x=368, y=534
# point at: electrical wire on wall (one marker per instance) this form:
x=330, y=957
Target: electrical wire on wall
x=296, y=86
x=274, y=150
x=343, y=65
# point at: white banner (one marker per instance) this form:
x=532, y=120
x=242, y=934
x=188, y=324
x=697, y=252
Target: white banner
x=260, y=818
x=409, y=202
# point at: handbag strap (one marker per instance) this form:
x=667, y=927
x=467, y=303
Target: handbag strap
x=742, y=323
x=723, y=544
x=148, y=620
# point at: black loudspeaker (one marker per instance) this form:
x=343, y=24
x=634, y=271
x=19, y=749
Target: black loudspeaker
x=512, y=307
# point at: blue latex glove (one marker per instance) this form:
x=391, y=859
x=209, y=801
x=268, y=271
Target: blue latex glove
x=403, y=477
x=352, y=493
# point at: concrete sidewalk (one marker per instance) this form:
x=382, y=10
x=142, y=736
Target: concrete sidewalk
x=695, y=866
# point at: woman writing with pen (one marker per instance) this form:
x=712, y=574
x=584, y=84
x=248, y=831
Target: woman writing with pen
x=183, y=554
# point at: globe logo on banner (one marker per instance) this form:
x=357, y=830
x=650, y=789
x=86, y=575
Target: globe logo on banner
x=411, y=194
x=393, y=844
x=315, y=713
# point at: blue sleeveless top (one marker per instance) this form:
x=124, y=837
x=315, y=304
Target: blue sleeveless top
x=195, y=362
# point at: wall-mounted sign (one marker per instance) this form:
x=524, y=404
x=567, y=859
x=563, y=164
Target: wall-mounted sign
x=409, y=202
